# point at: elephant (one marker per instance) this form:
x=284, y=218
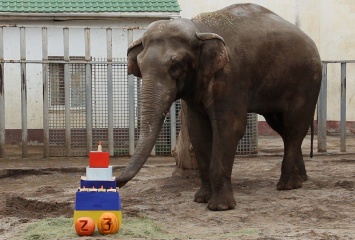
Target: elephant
x=224, y=64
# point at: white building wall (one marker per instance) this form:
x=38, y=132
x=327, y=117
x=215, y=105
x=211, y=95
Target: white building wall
x=337, y=43
x=55, y=48
x=12, y=83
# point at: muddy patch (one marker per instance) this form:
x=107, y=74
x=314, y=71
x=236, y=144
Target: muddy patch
x=17, y=206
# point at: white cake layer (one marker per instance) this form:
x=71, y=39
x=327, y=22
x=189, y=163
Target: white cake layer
x=99, y=174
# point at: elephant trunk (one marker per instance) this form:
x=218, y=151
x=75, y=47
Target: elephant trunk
x=155, y=105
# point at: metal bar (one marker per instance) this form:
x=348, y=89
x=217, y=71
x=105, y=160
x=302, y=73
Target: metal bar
x=343, y=109
x=2, y=97
x=88, y=91
x=113, y=61
x=109, y=91
x=71, y=27
x=339, y=61
x=322, y=112
x=173, y=126
x=131, y=102
x=23, y=92
x=67, y=92
x=59, y=61
x=46, y=152
x=1, y=44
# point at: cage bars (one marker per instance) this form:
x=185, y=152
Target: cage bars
x=2, y=97
x=71, y=129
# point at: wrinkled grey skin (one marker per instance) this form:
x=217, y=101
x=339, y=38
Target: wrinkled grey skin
x=225, y=64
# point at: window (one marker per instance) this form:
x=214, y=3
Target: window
x=57, y=86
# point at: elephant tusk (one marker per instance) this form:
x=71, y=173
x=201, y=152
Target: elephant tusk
x=150, y=127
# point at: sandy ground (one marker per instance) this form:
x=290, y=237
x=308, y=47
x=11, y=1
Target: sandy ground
x=324, y=208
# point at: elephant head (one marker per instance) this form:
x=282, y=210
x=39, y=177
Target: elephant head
x=173, y=58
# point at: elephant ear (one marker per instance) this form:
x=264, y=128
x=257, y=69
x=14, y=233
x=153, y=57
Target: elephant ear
x=134, y=49
x=214, y=55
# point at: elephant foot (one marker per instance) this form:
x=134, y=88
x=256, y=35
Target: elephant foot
x=222, y=201
x=290, y=183
x=304, y=177
x=203, y=195
x=303, y=173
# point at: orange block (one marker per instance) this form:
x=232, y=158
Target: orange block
x=99, y=159
x=95, y=215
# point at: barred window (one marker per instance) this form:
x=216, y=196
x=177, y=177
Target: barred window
x=57, y=86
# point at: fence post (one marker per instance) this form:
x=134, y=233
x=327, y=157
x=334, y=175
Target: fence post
x=67, y=92
x=88, y=91
x=131, y=102
x=173, y=126
x=109, y=91
x=45, y=93
x=343, y=109
x=2, y=97
x=23, y=91
x=322, y=112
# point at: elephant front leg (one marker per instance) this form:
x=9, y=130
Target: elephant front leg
x=220, y=175
x=200, y=133
x=215, y=143
x=226, y=135
x=222, y=194
x=203, y=195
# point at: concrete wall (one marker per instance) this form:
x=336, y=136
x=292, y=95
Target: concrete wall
x=337, y=34
x=328, y=22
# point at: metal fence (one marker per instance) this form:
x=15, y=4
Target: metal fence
x=322, y=106
x=120, y=113
x=86, y=100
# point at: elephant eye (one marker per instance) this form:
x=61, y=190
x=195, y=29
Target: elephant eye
x=175, y=69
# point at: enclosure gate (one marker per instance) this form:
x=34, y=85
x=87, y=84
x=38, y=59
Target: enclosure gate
x=86, y=100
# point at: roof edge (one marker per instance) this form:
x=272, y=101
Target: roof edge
x=85, y=16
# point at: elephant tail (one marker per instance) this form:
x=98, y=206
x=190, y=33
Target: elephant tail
x=312, y=137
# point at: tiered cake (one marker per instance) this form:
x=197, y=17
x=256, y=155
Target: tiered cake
x=97, y=193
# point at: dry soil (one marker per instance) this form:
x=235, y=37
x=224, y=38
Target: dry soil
x=324, y=208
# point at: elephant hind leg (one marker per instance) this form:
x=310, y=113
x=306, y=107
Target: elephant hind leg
x=293, y=170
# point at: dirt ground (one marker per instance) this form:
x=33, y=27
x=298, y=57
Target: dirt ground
x=324, y=208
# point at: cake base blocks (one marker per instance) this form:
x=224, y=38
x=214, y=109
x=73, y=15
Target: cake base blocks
x=98, y=192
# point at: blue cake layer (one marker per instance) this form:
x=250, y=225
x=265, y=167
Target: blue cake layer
x=97, y=201
x=98, y=183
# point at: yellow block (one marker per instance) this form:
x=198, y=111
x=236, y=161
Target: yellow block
x=95, y=215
